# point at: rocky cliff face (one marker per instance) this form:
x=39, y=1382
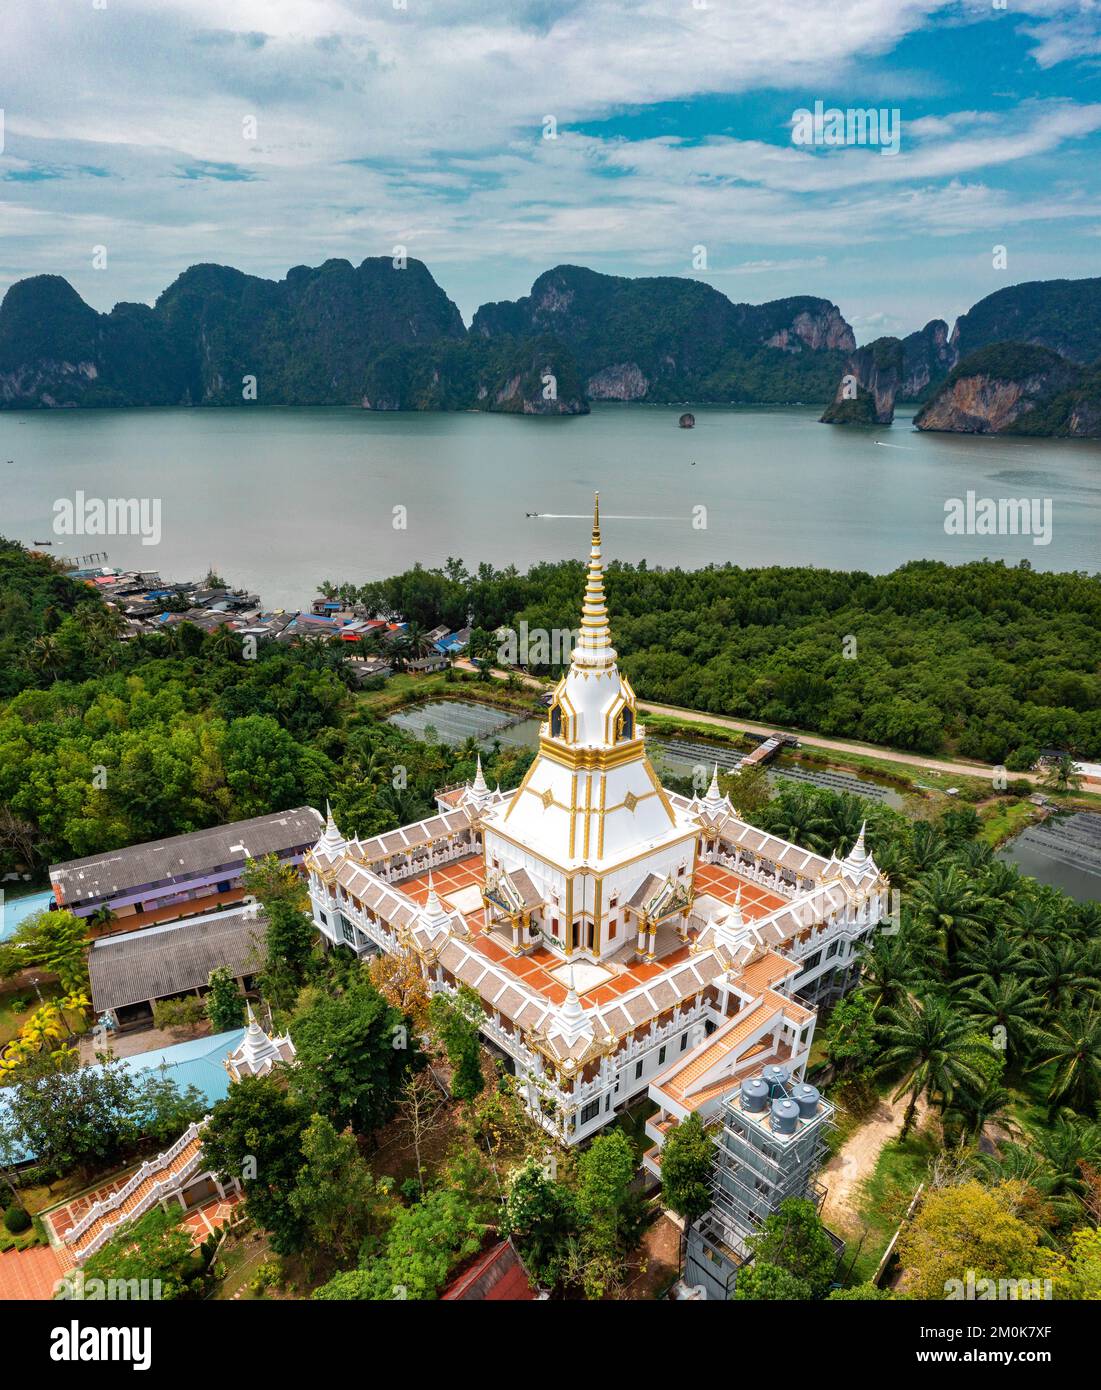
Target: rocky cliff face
x=670, y=339
x=887, y=370
x=821, y=329
x=624, y=381
x=866, y=393
x=1012, y=388
x=927, y=358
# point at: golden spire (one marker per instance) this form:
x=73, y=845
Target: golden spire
x=594, y=646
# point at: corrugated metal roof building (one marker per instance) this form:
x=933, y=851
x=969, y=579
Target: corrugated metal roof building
x=156, y=962
x=161, y=873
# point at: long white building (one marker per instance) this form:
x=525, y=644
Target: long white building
x=622, y=938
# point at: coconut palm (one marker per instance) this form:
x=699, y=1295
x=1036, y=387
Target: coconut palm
x=1060, y=774
x=936, y=1049
x=224, y=642
x=416, y=642
x=1073, y=1044
x=47, y=658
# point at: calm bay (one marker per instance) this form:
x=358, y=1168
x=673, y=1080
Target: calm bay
x=277, y=500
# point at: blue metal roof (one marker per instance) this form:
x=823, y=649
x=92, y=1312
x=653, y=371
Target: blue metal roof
x=13, y=911
x=195, y=1063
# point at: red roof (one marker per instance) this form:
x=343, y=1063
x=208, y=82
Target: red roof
x=498, y=1275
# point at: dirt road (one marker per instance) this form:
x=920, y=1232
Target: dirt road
x=846, y=1171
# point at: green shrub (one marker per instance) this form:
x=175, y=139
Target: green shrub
x=17, y=1219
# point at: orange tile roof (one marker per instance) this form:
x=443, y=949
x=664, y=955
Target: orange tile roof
x=723, y=883
x=765, y=972
x=756, y=1015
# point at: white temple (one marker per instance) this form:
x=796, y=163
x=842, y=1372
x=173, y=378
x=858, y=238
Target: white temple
x=622, y=938
x=258, y=1052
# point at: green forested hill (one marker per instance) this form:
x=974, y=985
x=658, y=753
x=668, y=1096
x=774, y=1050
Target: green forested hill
x=669, y=338
x=1063, y=315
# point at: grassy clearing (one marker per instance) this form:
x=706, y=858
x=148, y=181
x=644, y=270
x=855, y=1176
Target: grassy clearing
x=1003, y=819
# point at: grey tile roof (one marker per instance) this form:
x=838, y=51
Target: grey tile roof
x=157, y=961
x=182, y=856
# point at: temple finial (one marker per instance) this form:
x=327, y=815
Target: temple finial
x=594, y=645
x=479, y=778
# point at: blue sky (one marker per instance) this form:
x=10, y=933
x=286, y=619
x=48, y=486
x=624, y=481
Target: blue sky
x=269, y=133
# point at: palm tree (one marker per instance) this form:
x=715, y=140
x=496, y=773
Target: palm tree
x=999, y=883
x=945, y=901
x=1060, y=774
x=1073, y=1044
x=1065, y=1145
x=890, y=970
x=927, y=847
x=224, y=642
x=975, y=856
x=936, y=1049
x=417, y=642
x=844, y=817
x=1035, y=917
x=1020, y=1163
x=47, y=658
x=1056, y=972
x=1009, y=1005
x=798, y=816
x=994, y=960
x=975, y=1109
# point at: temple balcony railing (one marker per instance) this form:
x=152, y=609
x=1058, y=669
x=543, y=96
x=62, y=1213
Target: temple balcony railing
x=437, y=853
x=754, y=872
x=850, y=925
x=335, y=907
x=682, y=1018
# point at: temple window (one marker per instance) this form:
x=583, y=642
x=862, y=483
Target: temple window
x=556, y=721
x=625, y=725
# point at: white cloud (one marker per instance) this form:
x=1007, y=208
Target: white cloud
x=422, y=126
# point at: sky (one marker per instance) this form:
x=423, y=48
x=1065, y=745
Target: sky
x=265, y=134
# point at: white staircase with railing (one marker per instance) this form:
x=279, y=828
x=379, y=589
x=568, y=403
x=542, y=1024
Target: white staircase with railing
x=156, y=1179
